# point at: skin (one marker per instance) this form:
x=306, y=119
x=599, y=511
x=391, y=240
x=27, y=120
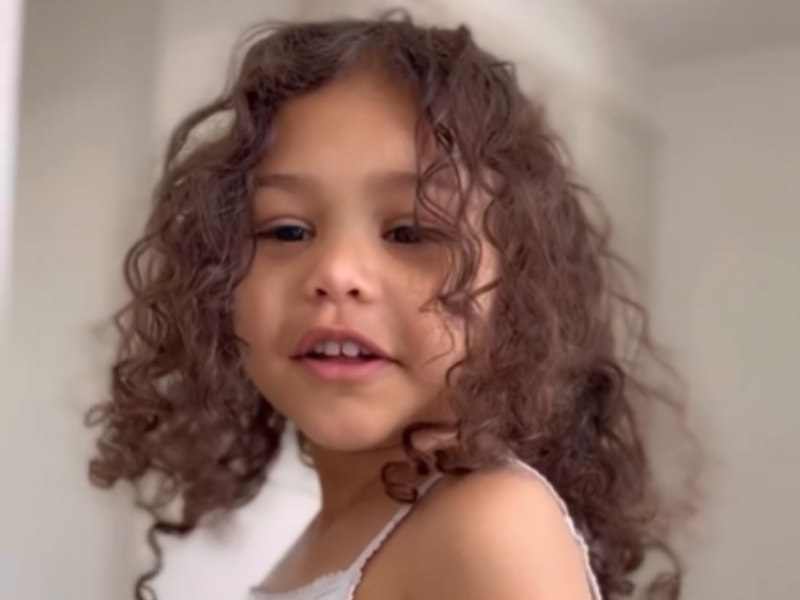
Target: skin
x=335, y=249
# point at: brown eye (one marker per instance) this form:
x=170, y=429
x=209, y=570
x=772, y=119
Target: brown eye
x=286, y=234
x=404, y=234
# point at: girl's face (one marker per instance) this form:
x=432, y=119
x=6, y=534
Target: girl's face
x=332, y=308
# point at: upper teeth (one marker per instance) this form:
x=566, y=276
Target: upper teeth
x=351, y=349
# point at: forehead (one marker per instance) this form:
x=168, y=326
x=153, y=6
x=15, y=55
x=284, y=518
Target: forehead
x=361, y=132
x=360, y=122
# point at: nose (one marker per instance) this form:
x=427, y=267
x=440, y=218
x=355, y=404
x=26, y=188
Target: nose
x=343, y=270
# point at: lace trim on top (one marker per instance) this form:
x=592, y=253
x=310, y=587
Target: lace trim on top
x=350, y=578
x=316, y=588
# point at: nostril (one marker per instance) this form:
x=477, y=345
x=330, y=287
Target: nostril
x=324, y=293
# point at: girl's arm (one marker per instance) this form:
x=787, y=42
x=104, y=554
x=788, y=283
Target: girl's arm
x=498, y=536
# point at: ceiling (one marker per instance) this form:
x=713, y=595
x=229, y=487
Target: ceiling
x=679, y=31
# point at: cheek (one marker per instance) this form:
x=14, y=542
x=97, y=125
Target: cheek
x=243, y=317
x=254, y=311
x=442, y=335
x=440, y=345
x=256, y=319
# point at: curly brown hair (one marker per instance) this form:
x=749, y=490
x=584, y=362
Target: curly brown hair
x=548, y=381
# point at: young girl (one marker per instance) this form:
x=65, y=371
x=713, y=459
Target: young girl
x=371, y=235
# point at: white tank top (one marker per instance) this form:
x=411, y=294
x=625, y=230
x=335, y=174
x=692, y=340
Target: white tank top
x=342, y=585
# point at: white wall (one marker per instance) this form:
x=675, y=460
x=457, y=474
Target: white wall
x=195, y=53
x=556, y=40
x=726, y=298
x=85, y=128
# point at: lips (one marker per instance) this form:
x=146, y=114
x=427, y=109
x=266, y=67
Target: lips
x=341, y=356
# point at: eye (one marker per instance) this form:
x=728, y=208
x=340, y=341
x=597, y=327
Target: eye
x=405, y=234
x=286, y=233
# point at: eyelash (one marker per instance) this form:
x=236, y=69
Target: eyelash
x=273, y=234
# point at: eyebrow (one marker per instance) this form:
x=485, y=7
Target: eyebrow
x=381, y=180
x=440, y=180
x=285, y=181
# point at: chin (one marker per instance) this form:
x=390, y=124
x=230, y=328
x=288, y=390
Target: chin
x=347, y=435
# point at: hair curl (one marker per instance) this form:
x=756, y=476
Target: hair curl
x=547, y=381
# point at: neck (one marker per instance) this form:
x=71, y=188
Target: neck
x=349, y=478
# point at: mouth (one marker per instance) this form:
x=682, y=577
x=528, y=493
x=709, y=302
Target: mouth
x=340, y=355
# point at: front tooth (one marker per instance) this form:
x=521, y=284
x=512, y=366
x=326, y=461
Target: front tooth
x=319, y=349
x=351, y=349
x=332, y=349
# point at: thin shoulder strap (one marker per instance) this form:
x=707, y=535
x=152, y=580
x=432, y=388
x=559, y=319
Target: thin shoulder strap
x=358, y=565
x=591, y=579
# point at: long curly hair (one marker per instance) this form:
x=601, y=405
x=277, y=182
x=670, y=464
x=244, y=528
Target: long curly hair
x=546, y=375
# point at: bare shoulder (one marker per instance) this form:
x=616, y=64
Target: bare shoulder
x=500, y=533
